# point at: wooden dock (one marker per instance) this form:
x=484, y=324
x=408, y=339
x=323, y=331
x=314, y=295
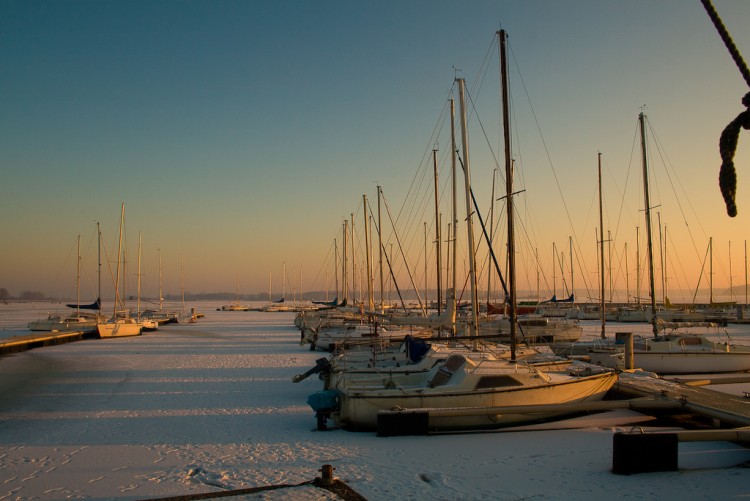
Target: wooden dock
x=18, y=344
x=728, y=409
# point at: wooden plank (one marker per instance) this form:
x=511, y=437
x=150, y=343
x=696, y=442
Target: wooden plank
x=731, y=409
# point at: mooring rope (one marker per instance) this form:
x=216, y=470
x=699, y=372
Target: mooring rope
x=730, y=134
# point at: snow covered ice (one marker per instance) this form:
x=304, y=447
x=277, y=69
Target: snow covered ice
x=210, y=406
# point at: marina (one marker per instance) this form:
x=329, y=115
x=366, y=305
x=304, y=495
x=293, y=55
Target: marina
x=506, y=271
x=215, y=398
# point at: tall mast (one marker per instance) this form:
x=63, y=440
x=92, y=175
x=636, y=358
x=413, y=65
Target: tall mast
x=119, y=250
x=344, y=284
x=662, y=258
x=438, y=257
x=161, y=295
x=354, y=260
x=508, y=195
x=492, y=233
x=665, y=274
x=78, y=277
x=711, y=269
x=554, y=269
x=138, y=303
x=570, y=245
x=647, y=203
x=182, y=285
x=425, y=264
x=601, y=248
x=370, y=300
x=731, y=292
x=99, y=264
x=454, y=212
x=611, y=278
x=380, y=251
x=336, y=267
x=627, y=275
x=637, y=265
x=469, y=219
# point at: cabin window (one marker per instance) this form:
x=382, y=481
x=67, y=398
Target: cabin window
x=502, y=381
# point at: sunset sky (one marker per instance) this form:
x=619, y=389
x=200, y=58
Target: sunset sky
x=240, y=134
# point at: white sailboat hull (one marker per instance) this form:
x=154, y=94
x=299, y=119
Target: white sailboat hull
x=679, y=354
x=364, y=335
x=359, y=407
x=63, y=324
x=678, y=362
x=119, y=328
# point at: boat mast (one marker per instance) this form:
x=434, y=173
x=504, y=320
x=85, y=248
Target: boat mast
x=454, y=212
x=572, y=289
x=473, y=323
x=336, y=267
x=601, y=248
x=182, y=284
x=370, y=300
x=627, y=275
x=99, y=264
x=380, y=251
x=611, y=278
x=492, y=234
x=426, y=300
x=647, y=203
x=554, y=269
x=662, y=258
x=138, y=301
x=438, y=256
x=78, y=278
x=664, y=272
x=354, y=262
x=637, y=265
x=509, y=196
x=344, y=284
x=161, y=294
x=711, y=270
x=119, y=251
x=731, y=292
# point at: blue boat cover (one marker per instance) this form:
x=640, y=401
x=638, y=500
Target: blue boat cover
x=416, y=348
x=324, y=400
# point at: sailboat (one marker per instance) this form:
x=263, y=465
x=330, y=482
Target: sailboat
x=463, y=386
x=671, y=351
x=118, y=325
x=278, y=305
x=236, y=306
x=160, y=316
x=148, y=324
x=80, y=322
x=185, y=317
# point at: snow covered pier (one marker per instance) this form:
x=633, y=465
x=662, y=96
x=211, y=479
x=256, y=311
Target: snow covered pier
x=724, y=408
x=37, y=340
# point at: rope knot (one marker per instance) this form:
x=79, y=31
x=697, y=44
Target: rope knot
x=727, y=148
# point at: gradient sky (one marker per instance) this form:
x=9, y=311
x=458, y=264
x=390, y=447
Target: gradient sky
x=239, y=134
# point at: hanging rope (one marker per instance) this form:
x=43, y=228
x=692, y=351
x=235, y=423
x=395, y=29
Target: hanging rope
x=730, y=134
x=727, y=148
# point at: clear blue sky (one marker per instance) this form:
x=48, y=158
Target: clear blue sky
x=239, y=134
